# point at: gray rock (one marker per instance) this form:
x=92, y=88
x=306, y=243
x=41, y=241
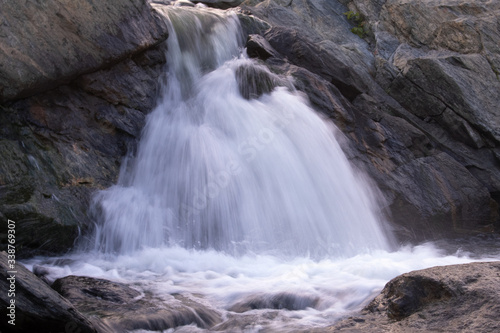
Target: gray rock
x=288, y=301
x=69, y=142
x=465, y=84
x=417, y=100
x=36, y=307
x=259, y=47
x=458, y=298
x=122, y=308
x=441, y=198
x=52, y=42
x=223, y=4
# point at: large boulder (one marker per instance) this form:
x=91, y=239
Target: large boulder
x=46, y=43
x=457, y=298
x=32, y=306
x=124, y=309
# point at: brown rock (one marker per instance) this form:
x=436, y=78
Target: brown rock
x=37, y=307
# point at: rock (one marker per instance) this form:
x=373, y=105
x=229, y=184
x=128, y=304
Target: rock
x=463, y=84
x=251, y=24
x=416, y=102
x=442, y=198
x=254, y=81
x=38, y=308
x=223, y=4
x=259, y=47
x=122, y=308
x=69, y=141
x=331, y=64
x=288, y=301
x=65, y=144
x=53, y=42
x=453, y=298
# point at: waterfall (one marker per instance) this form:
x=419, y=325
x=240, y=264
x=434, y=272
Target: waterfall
x=233, y=159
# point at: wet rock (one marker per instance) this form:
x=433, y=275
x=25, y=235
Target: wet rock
x=448, y=198
x=223, y=4
x=453, y=298
x=286, y=300
x=67, y=143
x=327, y=62
x=259, y=47
x=254, y=81
x=123, y=308
x=37, y=307
x=49, y=43
x=412, y=89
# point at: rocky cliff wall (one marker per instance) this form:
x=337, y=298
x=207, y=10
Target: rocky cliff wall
x=415, y=95
x=414, y=86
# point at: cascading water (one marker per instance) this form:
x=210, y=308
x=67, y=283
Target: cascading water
x=217, y=170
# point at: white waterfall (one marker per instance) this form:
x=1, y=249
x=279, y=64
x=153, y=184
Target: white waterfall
x=215, y=170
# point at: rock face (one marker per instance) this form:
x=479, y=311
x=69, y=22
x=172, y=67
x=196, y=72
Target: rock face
x=47, y=43
x=123, y=308
x=36, y=307
x=63, y=144
x=416, y=98
x=458, y=298
x=224, y=4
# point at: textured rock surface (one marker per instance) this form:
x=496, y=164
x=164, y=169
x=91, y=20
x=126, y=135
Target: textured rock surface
x=123, y=308
x=62, y=145
x=417, y=100
x=417, y=104
x=38, y=308
x=224, y=4
x=458, y=298
x=46, y=43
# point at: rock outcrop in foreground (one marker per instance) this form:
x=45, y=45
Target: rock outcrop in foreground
x=458, y=298
x=34, y=306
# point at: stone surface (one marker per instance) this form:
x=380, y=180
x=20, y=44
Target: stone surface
x=63, y=145
x=288, y=301
x=417, y=101
x=416, y=105
x=122, y=308
x=223, y=4
x=44, y=44
x=458, y=298
x=37, y=307
x=259, y=47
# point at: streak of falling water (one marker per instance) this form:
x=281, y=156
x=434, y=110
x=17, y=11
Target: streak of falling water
x=229, y=162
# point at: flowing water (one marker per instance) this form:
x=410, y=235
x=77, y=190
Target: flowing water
x=215, y=170
x=240, y=191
